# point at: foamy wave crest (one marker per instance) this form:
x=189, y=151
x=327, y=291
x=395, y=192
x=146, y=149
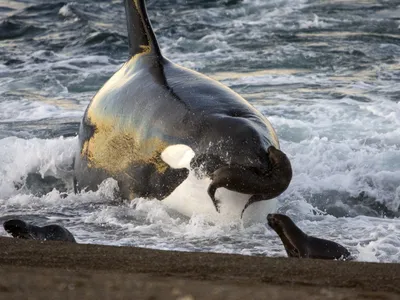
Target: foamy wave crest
x=12, y=111
x=18, y=157
x=66, y=11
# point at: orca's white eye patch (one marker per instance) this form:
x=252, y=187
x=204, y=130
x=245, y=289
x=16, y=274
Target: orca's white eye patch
x=178, y=156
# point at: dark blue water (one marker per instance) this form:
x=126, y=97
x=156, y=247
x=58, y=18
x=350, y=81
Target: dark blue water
x=326, y=74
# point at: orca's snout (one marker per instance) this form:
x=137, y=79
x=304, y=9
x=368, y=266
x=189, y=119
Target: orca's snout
x=16, y=228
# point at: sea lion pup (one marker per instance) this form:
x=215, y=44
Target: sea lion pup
x=300, y=245
x=152, y=104
x=20, y=229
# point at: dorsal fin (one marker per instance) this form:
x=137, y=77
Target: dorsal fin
x=140, y=33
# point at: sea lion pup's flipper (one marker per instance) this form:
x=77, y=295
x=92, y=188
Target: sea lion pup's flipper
x=20, y=229
x=298, y=244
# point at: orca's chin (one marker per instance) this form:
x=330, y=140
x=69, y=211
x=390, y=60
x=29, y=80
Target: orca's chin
x=191, y=199
x=262, y=184
x=231, y=189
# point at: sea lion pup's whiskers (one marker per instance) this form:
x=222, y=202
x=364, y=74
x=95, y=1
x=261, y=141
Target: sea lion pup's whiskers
x=300, y=245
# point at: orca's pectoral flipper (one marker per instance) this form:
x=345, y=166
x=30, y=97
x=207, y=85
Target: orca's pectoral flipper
x=162, y=185
x=140, y=33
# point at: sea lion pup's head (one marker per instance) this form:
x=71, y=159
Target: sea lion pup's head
x=298, y=244
x=18, y=229
x=293, y=239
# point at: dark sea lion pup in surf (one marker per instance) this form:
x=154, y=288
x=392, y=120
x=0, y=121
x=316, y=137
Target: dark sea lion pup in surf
x=22, y=230
x=300, y=245
x=151, y=104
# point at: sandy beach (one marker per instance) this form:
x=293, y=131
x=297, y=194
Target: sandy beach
x=54, y=270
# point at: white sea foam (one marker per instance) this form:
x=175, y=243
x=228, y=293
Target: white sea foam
x=22, y=110
x=18, y=157
x=66, y=11
x=150, y=223
x=315, y=23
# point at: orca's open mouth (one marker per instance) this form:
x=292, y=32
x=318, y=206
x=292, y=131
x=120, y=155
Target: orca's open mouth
x=263, y=185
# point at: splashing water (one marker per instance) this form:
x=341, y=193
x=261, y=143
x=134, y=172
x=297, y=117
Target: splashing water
x=325, y=74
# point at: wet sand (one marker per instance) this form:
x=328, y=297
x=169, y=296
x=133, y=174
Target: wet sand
x=54, y=270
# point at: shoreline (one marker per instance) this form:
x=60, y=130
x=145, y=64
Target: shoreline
x=70, y=269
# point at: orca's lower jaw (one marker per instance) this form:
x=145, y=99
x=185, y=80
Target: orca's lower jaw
x=262, y=184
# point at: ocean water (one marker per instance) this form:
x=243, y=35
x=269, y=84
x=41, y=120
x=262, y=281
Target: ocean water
x=325, y=73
